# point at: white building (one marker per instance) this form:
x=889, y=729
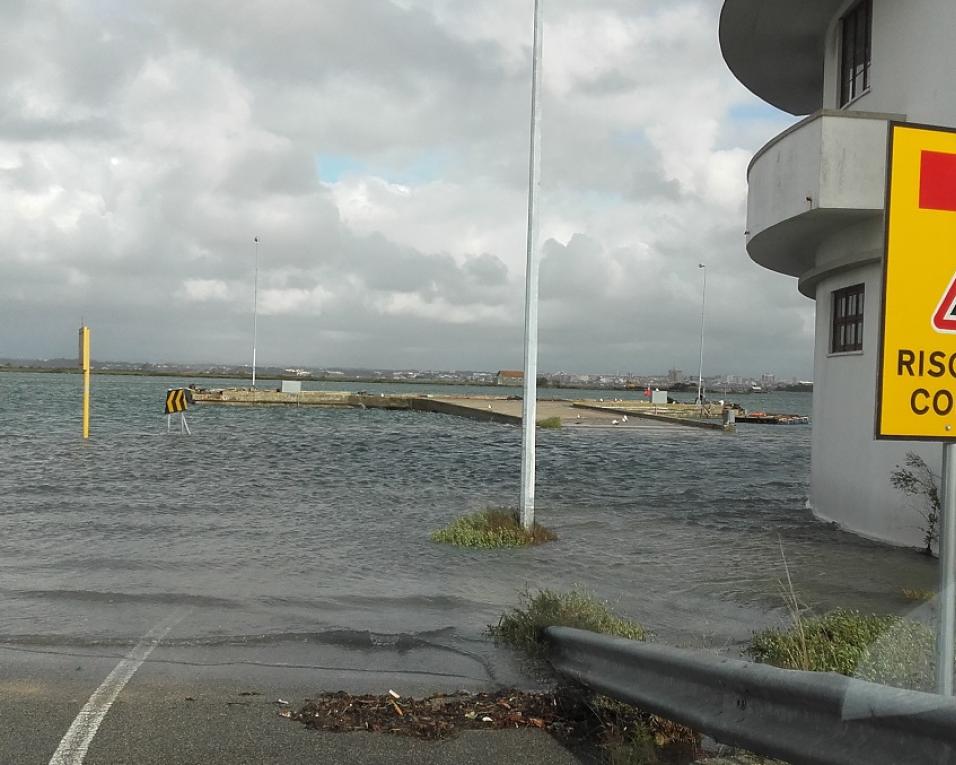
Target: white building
x=815, y=207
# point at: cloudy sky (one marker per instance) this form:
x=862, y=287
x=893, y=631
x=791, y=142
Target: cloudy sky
x=379, y=150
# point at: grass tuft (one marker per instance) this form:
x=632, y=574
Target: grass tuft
x=881, y=649
x=522, y=627
x=917, y=595
x=492, y=529
x=550, y=422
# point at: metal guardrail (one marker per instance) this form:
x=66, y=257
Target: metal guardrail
x=801, y=717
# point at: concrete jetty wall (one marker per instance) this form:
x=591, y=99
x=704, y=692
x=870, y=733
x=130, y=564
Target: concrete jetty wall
x=471, y=406
x=472, y=412
x=261, y=397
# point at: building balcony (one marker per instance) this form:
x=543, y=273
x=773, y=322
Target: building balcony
x=823, y=174
x=776, y=48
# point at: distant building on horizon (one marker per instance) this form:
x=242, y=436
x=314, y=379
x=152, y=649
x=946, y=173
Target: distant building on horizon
x=509, y=377
x=815, y=209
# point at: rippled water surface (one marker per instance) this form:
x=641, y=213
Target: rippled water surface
x=277, y=522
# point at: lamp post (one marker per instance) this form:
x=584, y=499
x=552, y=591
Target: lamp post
x=255, y=310
x=700, y=369
x=529, y=404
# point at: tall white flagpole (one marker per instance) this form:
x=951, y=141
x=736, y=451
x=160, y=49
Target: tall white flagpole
x=529, y=408
x=700, y=369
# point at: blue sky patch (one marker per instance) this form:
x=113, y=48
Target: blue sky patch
x=333, y=167
x=426, y=167
x=756, y=110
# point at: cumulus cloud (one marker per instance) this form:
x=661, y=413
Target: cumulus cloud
x=378, y=149
x=202, y=290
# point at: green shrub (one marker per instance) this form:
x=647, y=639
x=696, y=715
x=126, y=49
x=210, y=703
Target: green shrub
x=492, y=529
x=550, y=422
x=522, y=627
x=882, y=649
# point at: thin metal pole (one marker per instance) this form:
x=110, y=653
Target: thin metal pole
x=529, y=407
x=700, y=370
x=946, y=618
x=255, y=310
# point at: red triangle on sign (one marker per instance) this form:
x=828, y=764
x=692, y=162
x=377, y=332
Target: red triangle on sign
x=944, y=319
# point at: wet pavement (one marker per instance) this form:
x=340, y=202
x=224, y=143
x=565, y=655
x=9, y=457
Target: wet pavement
x=180, y=710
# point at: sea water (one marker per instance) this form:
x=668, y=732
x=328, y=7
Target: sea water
x=285, y=523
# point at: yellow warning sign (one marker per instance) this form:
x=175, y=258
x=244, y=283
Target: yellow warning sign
x=916, y=395
x=177, y=399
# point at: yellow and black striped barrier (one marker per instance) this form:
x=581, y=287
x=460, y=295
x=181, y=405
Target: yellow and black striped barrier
x=177, y=400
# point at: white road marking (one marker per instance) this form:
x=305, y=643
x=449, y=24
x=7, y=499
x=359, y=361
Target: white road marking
x=73, y=746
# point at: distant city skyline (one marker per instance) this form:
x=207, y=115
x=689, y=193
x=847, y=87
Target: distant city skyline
x=673, y=375
x=378, y=150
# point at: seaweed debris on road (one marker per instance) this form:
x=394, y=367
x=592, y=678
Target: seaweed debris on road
x=442, y=714
x=573, y=715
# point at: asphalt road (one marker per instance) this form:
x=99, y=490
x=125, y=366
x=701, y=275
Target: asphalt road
x=204, y=706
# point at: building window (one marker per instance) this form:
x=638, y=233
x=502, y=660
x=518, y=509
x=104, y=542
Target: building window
x=855, y=51
x=847, y=332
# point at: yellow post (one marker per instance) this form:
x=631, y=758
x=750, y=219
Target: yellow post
x=85, y=366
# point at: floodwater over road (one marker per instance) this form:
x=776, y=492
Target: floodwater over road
x=285, y=524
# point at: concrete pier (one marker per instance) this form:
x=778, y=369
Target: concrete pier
x=506, y=410
x=708, y=417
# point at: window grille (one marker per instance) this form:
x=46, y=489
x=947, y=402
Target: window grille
x=857, y=28
x=847, y=320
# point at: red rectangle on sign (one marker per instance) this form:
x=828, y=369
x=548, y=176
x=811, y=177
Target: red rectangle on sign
x=937, y=181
